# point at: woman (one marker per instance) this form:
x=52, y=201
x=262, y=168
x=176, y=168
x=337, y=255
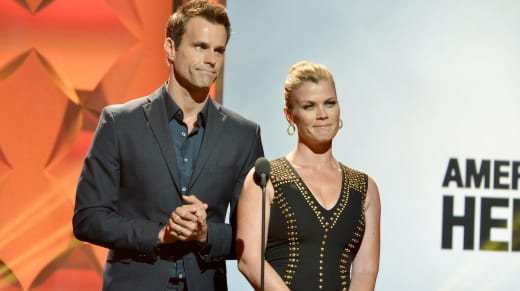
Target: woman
x=322, y=217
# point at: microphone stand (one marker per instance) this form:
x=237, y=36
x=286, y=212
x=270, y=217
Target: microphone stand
x=262, y=258
x=262, y=169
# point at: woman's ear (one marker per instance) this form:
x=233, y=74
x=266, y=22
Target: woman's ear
x=288, y=115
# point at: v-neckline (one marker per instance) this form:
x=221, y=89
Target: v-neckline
x=312, y=194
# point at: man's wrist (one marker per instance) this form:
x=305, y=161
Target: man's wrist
x=202, y=243
x=160, y=236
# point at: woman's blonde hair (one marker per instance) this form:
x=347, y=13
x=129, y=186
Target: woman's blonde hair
x=302, y=72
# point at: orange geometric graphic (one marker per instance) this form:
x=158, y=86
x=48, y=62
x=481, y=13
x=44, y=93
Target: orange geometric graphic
x=61, y=62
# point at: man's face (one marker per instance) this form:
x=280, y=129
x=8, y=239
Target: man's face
x=200, y=56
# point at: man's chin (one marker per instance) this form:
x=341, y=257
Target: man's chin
x=205, y=85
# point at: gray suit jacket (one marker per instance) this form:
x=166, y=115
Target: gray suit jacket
x=129, y=186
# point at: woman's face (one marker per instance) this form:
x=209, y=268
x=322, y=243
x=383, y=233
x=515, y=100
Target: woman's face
x=315, y=112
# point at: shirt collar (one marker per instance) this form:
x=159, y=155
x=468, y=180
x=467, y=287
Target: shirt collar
x=173, y=111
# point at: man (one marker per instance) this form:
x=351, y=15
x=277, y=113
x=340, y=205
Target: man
x=162, y=169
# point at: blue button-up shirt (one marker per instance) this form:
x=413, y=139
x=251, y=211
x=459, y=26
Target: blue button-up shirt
x=187, y=146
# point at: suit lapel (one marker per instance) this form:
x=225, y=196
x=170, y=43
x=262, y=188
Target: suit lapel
x=214, y=125
x=155, y=112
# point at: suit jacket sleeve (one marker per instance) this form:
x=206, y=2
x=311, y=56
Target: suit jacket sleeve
x=96, y=218
x=221, y=236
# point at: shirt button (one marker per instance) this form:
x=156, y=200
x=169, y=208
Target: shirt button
x=183, y=189
x=183, y=133
x=185, y=160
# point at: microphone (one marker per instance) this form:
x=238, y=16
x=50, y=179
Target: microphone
x=261, y=176
x=262, y=169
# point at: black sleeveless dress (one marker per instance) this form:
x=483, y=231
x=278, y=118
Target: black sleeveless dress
x=310, y=247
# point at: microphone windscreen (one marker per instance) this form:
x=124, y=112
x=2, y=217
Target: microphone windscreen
x=262, y=168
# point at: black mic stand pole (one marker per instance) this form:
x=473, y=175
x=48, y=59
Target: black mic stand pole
x=262, y=258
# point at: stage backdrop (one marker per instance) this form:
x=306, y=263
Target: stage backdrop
x=429, y=94
x=430, y=102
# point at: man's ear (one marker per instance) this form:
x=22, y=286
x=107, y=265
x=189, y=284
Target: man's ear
x=169, y=48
